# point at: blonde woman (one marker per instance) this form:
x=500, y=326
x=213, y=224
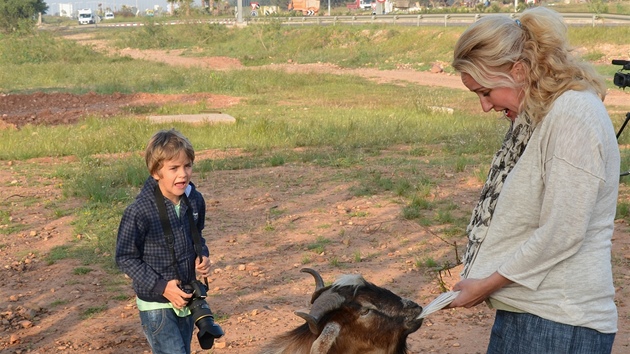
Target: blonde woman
x=539, y=239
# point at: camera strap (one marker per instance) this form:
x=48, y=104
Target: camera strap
x=195, y=233
x=168, y=231
x=193, y=228
x=166, y=226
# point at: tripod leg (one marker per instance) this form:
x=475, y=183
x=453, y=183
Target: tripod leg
x=619, y=134
x=623, y=125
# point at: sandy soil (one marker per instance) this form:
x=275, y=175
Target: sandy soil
x=262, y=227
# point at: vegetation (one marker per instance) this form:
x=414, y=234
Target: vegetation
x=343, y=122
x=20, y=15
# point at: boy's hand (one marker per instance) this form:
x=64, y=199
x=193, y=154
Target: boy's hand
x=175, y=295
x=203, y=268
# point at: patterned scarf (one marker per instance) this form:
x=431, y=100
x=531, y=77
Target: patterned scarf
x=504, y=160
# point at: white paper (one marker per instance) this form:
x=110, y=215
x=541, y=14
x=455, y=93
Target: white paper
x=440, y=302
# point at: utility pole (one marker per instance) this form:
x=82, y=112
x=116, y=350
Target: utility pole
x=239, y=11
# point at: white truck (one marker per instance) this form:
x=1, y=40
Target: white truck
x=86, y=17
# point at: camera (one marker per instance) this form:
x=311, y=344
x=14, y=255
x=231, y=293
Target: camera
x=622, y=79
x=202, y=315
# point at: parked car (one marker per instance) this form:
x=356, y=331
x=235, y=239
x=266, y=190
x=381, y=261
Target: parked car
x=109, y=16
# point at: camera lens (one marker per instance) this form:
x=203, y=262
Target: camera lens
x=204, y=320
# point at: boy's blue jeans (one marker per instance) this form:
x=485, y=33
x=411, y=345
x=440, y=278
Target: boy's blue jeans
x=166, y=332
x=524, y=333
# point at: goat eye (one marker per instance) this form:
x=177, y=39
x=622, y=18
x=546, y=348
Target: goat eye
x=364, y=311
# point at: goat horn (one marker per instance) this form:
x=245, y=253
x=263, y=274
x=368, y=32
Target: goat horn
x=319, y=282
x=327, y=302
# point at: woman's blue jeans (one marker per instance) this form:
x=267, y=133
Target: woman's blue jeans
x=524, y=333
x=166, y=332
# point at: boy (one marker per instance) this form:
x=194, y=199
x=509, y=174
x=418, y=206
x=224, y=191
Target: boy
x=159, y=246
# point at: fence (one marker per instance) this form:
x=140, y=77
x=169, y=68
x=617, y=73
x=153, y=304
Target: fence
x=453, y=19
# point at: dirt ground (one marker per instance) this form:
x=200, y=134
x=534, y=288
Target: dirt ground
x=261, y=226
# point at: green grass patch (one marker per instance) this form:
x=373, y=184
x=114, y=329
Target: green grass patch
x=122, y=297
x=58, y=303
x=92, y=312
x=58, y=253
x=7, y=226
x=319, y=245
x=82, y=270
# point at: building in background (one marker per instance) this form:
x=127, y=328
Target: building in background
x=66, y=10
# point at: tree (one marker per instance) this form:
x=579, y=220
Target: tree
x=18, y=15
x=184, y=5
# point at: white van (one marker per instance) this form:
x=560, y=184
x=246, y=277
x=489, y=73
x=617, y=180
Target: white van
x=86, y=17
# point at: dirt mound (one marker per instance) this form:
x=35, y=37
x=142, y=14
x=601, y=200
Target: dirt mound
x=65, y=108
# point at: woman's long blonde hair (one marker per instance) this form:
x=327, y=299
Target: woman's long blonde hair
x=489, y=48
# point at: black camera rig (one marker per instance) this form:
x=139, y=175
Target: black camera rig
x=622, y=80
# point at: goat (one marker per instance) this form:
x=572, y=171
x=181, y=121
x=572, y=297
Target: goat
x=351, y=316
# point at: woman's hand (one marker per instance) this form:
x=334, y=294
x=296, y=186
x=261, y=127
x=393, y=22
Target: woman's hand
x=475, y=291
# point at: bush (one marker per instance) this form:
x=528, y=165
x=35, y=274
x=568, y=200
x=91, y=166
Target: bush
x=17, y=16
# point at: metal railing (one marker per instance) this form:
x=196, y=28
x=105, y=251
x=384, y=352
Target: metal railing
x=452, y=19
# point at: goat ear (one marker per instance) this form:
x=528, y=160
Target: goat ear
x=325, y=341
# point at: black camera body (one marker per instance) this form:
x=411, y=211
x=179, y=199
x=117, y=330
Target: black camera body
x=202, y=315
x=196, y=288
x=622, y=79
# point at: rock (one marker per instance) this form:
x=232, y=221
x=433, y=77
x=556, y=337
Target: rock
x=25, y=324
x=29, y=313
x=436, y=68
x=253, y=267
